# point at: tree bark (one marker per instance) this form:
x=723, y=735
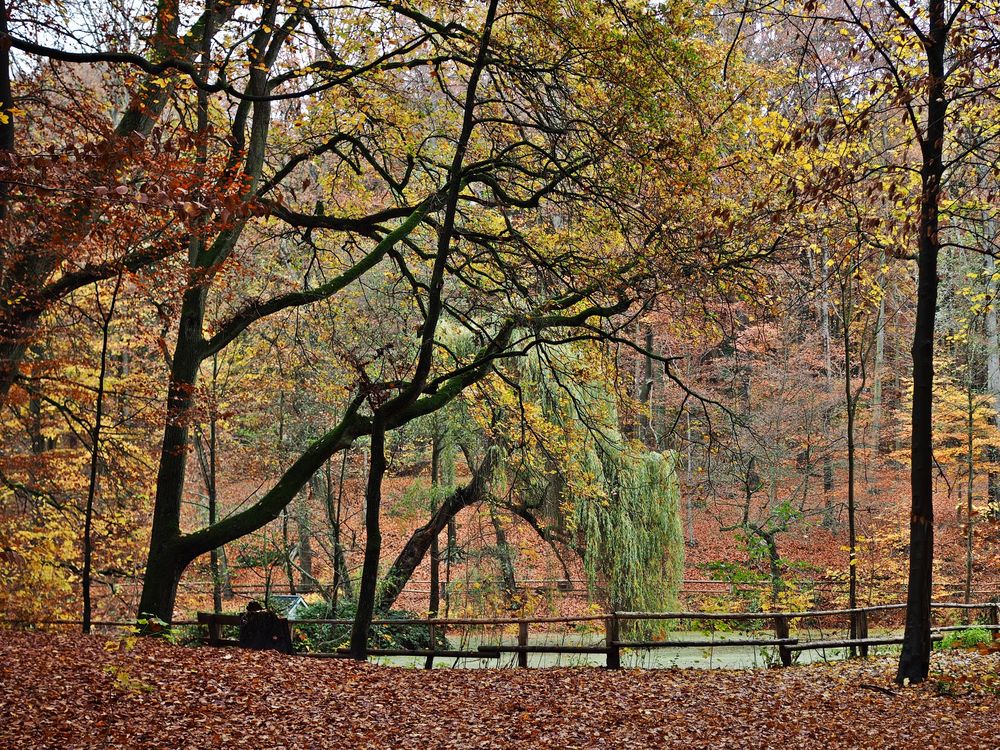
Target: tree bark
x=914, y=661
x=970, y=468
x=341, y=574
x=358, y=648
x=304, y=527
x=877, y=367
x=993, y=383
x=422, y=539
x=95, y=455
x=828, y=513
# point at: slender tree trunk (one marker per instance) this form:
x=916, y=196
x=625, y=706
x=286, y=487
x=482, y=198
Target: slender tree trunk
x=373, y=542
x=434, y=599
x=506, y=561
x=208, y=462
x=95, y=453
x=644, y=386
x=852, y=403
x=877, y=367
x=993, y=384
x=970, y=467
x=304, y=527
x=449, y=555
x=288, y=551
x=35, y=419
x=828, y=515
x=692, y=541
x=914, y=661
x=341, y=574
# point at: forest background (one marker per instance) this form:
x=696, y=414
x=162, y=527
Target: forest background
x=496, y=307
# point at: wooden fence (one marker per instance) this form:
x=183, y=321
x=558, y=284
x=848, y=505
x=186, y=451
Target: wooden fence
x=614, y=624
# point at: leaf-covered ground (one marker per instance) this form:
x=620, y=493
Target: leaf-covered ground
x=89, y=692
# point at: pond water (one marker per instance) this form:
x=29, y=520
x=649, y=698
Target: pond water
x=697, y=657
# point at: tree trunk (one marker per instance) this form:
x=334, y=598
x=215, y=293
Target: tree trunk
x=914, y=661
x=424, y=538
x=341, y=574
x=852, y=537
x=304, y=527
x=877, y=367
x=287, y=550
x=993, y=384
x=644, y=386
x=434, y=600
x=158, y=600
x=506, y=562
x=970, y=468
x=692, y=540
x=828, y=514
x=373, y=543
x=95, y=454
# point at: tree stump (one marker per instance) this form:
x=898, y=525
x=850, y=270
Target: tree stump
x=262, y=630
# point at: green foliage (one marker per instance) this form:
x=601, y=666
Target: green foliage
x=329, y=637
x=633, y=540
x=617, y=499
x=418, y=498
x=745, y=585
x=118, y=669
x=966, y=638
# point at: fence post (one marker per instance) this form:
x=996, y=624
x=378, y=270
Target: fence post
x=994, y=614
x=862, y=631
x=522, y=640
x=212, y=627
x=611, y=633
x=781, y=632
x=429, y=663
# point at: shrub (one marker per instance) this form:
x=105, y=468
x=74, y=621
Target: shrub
x=966, y=638
x=329, y=638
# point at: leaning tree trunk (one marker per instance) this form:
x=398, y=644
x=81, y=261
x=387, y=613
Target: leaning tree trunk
x=914, y=661
x=422, y=540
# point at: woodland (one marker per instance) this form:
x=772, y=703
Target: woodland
x=497, y=308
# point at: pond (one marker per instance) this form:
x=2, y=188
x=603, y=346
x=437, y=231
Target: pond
x=696, y=657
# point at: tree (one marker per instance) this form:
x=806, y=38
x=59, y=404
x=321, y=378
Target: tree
x=920, y=62
x=468, y=244
x=55, y=199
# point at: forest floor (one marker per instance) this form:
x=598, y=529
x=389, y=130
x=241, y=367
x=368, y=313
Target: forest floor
x=94, y=692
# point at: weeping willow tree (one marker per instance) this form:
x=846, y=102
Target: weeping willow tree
x=614, y=501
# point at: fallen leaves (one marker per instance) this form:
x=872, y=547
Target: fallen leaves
x=58, y=692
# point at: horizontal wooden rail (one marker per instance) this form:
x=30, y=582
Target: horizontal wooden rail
x=461, y=620
x=528, y=649
x=707, y=643
x=853, y=642
x=612, y=623
x=954, y=628
x=481, y=653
